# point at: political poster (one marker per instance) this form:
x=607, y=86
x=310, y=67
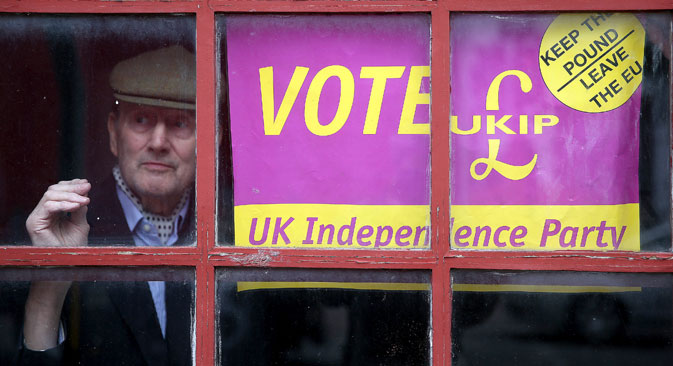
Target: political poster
x=545, y=131
x=330, y=130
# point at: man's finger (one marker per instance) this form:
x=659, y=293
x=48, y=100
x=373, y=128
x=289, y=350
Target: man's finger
x=80, y=186
x=54, y=207
x=73, y=181
x=65, y=196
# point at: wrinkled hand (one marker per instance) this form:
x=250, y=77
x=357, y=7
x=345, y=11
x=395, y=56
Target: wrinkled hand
x=59, y=219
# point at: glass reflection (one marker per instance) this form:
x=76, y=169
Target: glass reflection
x=323, y=318
x=108, y=317
x=561, y=318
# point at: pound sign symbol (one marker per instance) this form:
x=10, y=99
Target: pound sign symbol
x=513, y=172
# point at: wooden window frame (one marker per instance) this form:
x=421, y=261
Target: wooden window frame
x=206, y=257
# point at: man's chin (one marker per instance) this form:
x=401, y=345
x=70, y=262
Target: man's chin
x=157, y=191
x=156, y=187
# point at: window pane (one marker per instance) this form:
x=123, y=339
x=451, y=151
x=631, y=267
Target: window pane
x=543, y=317
x=561, y=131
x=84, y=93
x=109, y=316
x=326, y=317
x=327, y=117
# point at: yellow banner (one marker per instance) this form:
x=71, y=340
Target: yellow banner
x=561, y=289
x=546, y=228
x=311, y=226
x=381, y=286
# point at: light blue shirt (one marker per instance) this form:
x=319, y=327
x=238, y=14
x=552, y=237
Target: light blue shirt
x=145, y=235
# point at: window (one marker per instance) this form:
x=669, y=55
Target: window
x=341, y=160
x=398, y=182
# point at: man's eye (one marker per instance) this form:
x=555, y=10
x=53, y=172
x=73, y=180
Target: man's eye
x=183, y=124
x=142, y=120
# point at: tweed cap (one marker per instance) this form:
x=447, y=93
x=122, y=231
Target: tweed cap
x=165, y=78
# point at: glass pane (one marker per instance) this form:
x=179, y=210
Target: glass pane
x=120, y=316
x=325, y=317
x=325, y=131
x=574, y=318
x=560, y=131
x=82, y=94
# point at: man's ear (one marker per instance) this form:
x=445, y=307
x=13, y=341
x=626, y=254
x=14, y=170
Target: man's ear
x=112, y=131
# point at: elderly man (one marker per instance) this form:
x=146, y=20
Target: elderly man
x=148, y=201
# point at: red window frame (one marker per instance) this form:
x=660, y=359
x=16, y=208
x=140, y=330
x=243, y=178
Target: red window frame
x=206, y=257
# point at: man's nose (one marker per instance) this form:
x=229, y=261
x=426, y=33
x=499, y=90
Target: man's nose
x=159, y=137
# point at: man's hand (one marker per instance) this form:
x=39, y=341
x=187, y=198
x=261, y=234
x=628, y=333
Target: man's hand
x=59, y=219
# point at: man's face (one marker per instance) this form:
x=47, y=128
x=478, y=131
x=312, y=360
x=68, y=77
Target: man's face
x=155, y=147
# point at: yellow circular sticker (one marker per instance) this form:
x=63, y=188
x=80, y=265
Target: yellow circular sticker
x=593, y=62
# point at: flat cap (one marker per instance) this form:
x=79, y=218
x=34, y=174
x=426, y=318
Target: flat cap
x=165, y=77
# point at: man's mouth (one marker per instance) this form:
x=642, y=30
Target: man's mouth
x=156, y=166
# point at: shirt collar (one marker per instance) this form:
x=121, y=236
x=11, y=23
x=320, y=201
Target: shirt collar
x=131, y=212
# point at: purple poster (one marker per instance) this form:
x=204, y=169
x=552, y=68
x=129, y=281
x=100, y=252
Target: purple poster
x=330, y=130
x=544, y=131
